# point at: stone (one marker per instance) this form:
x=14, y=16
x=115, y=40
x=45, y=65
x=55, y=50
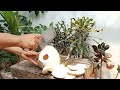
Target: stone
x=6, y=75
x=27, y=70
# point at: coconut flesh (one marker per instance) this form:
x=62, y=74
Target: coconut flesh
x=51, y=61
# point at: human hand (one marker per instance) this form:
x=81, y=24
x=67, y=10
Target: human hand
x=27, y=55
x=30, y=56
x=29, y=41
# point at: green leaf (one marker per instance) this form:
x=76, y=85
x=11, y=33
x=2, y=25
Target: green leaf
x=99, y=46
x=106, y=47
x=118, y=68
x=30, y=11
x=1, y=28
x=51, y=24
x=36, y=13
x=2, y=20
x=42, y=11
x=103, y=45
x=12, y=21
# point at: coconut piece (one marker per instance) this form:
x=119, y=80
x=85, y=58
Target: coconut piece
x=72, y=67
x=81, y=66
x=76, y=67
x=77, y=73
x=68, y=76
x=46, y=70
x=49, y=56
x=59, y=72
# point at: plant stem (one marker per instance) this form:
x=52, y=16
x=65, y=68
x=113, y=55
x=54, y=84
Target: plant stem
x=101, y=70
x=117, y=75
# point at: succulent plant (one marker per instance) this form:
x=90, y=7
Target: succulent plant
x=100, y=51
x=101, y=56
x=71, y=40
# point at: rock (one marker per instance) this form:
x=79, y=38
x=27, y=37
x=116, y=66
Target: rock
x=27, y=70
x=6, y=75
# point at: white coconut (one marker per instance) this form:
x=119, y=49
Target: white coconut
x=76, y=67
x=68, y=76
x=81, y=66
x=72, y=67
x=46, y=69
x=49, y=56
x=59, y=72
x=51, y=61
x=77, y=73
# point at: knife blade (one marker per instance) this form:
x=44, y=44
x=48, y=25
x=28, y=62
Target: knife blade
x=47, y=37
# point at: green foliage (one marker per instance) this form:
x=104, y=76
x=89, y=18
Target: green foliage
x=11, y=19
x=100, y=51
x=37, y=12
x=72, y=40
x=118, y=68
x=15, y=24
x=8, y=58
x=26, y=26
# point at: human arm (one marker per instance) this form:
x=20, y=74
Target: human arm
x=27, y=55
x=8, y=40
x=29, y=41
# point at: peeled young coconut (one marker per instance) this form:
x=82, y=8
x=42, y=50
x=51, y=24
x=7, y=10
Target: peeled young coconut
x=49, y=56
x=46, y=70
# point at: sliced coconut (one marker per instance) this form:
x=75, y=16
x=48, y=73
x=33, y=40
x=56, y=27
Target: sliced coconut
x=76, y=67
x=72, y=67
x=81, y=66
x=49, y=56
x=59, y=72
x=77, y=73
x=68, y=76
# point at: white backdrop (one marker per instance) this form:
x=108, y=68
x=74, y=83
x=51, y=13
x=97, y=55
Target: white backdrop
x=109, y=21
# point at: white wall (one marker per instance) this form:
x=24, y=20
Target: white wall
x=109, y=21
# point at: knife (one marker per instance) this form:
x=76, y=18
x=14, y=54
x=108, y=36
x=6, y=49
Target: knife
x=47, y=37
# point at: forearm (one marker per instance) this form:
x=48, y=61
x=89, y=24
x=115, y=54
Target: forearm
x=14, y=50
x=8, y=40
